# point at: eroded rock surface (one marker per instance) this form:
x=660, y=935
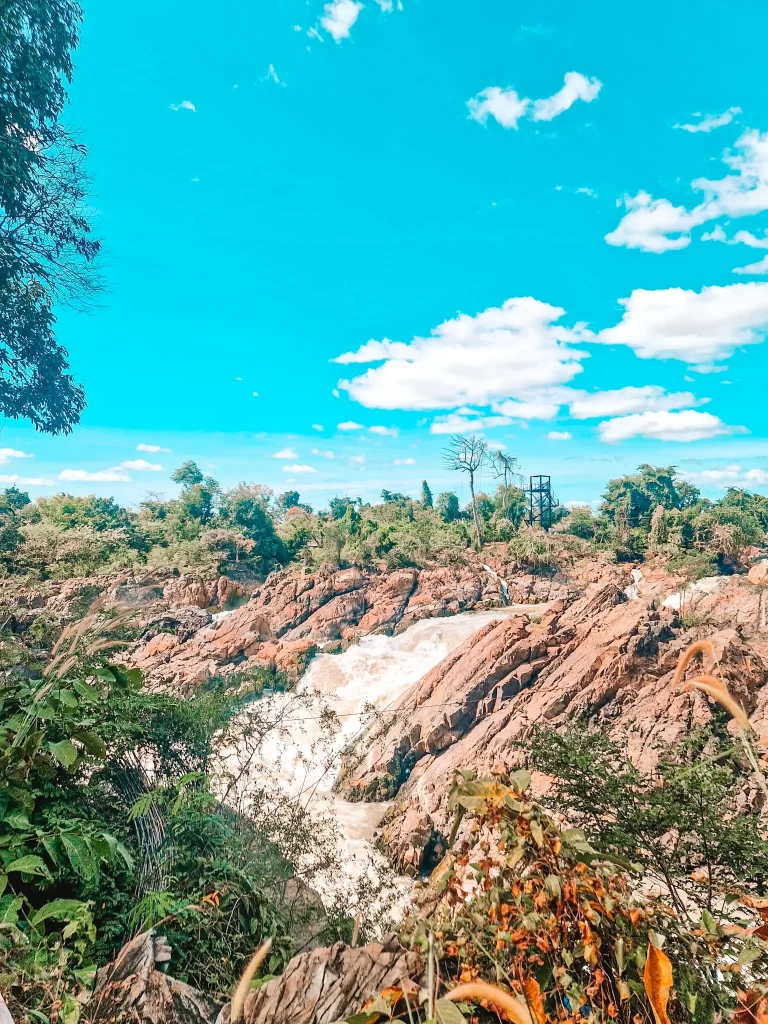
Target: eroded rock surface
x=603, y=658
x=293, y=614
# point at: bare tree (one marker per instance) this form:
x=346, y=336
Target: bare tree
x=505, y=468
x=466, y=455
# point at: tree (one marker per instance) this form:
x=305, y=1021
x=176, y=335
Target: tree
x=188, y=474
x=466, y=455
x=68, y=512
x=426, y=495
x=506, y=469
x=245, y=508
x=629, y=501
x=338, y=506
x=448, y=506
x=47, y=250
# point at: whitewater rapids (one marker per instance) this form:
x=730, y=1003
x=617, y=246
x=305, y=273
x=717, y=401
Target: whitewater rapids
x=304, y=756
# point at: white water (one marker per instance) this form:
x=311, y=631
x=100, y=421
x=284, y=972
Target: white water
x=376, y=671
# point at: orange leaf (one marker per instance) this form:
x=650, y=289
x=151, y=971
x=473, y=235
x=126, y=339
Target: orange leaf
x=658, y=982
x=752, y=1008
x=534, y=1000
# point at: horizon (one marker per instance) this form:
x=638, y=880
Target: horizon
x=314, y=217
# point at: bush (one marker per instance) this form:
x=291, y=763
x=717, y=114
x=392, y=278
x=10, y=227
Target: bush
x=533, y=550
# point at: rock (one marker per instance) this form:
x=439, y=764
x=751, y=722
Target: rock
x=604, y=659
x=294, y=612
x=131, y=988
x=327, y=984
x=758, y=573
x=221, y=593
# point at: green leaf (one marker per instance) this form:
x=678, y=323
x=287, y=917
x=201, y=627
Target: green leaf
x=447, y=1012
x=67, y=698
x=58, y=910
x=80, y=856
x=709, y=922
x=3, y=883
x=537, y=832
x=552, y=885
x=69, y=1012
x=93, y=743
x=749, y=954
x=141, y=806
x=86, y=690
x=9, y=909
x=105, y=673
x=65, y=752
x=521, y=780
x=18, y=820
x=30, y=864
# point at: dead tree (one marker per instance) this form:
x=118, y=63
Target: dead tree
x=467, y=455
x=505, y=468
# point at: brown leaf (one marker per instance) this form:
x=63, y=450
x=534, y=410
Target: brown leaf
x=534, y=1000
x=752, y=1008
x=658, y=982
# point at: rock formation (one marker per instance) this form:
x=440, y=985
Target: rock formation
x=604, y=658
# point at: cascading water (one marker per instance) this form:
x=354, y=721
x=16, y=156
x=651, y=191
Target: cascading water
x=305, y=759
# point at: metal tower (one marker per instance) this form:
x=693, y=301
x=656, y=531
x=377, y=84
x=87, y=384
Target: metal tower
x=541, y=502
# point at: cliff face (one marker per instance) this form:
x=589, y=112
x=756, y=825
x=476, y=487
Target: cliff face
x=603, y=657
x=293, y=614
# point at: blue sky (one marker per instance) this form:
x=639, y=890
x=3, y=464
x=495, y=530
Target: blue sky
x=535, y=221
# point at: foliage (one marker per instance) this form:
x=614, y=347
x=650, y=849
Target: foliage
x=530, y=919
x=48, y=252
x=679, y=822
x=533, y=550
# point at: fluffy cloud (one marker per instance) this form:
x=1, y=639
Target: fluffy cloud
x=349, y=425
x=384, y=431
x=730, y=476
x=285, y=453
x=504, y=105
x=184, y=105
x=323, y=453
x=299, y=469
x=747, y=238
x=695, y=327
x=359, y=459
x=575, y=87
x=656, y=225
x=151, y=449
x=12, y=453
x=761, y=267
x=709, y=122
x=102, y=476
x=404, y=462
x=507, y=107
x=687, y=425
x=623, y=401
x=318, y=427
x=559, y=435
x=25, y=481
x=140, y=465
x=512, y=351
x=339, y=17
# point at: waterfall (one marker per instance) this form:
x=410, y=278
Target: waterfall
x=375, y=672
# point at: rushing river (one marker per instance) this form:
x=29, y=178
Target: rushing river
x=305, y=755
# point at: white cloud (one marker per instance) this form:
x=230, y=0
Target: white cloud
x=502, y=104
x=25, y=481
x=349, y=425
x=140, y=465
x=106, y=476
x=576, y=87
x=285, y=453
x=339, y=17
x=507, y=107
x=711, y=121
x=513, y=351
x=184, y=105
x=543, y=407
x=656, y=225
x=747, y=238
x=152, y=449
x=299, y=469
x=696, y=327
x=730, y=476
x=384, y=431
x=12, y=453
x=559, y=435
x=761, y=267
x=715, y=235
x=623, y=401
x=587, y=192
x=466, y=421
x=318, y=427
x=323, y=453
x=272, y=76
x=404, y=462
x=359, y=459
x=687, y=425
